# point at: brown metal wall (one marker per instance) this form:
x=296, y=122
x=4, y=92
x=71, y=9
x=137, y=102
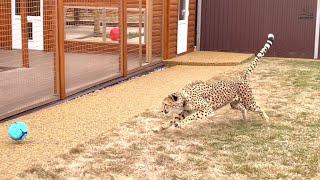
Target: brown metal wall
x=242, y=26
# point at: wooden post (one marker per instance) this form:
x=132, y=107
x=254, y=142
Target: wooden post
x=165, y=37
x=140, y=32
x=56, y=48
x=123, y=38
x=198, y=33
x=76, y=16
x=104, y=26
x=64, y=21
x=96, y=18
x=60, y=44
x=149, y=30
x=24, y=33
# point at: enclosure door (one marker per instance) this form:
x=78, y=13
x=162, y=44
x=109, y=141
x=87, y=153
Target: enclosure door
x=183, y=26
x=34, y=10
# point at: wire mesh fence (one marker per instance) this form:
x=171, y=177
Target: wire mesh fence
x=92, y=44
x=102, y=41
x=145, y=32
x=136, y=29
x=27, y=54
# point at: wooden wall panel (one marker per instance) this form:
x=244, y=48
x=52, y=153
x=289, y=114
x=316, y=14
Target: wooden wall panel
x=173, y=28
x=5, y=25
x=157, y=27
x=192, y=25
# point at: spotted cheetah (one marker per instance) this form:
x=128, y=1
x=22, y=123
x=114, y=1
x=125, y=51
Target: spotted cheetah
x=201, y=99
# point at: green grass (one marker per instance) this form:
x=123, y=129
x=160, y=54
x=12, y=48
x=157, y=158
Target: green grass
x=303, y=74
x=271, y=146
x=286, y=148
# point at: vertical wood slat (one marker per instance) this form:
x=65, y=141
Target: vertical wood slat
x=165, y=25
x=104, y=25
x=123, y=38
x=149, y=30
x=198, y=24
x=55, y=37
x=24, y=33
x=140, y=33
x=60, y=44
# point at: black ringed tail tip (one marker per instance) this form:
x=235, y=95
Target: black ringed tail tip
x=271, y=37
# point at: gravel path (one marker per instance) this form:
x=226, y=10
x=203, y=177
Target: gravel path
x=55, y=130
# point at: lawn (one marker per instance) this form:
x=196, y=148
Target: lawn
x=221, y=147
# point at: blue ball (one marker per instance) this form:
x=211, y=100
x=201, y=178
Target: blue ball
x=18, y=131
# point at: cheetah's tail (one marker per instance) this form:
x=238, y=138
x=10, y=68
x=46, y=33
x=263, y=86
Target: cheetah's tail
x=258, y=57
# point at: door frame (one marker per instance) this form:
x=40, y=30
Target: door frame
x=199, y=8
x=184, y=22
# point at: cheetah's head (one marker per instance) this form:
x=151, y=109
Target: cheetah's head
x=173, y=104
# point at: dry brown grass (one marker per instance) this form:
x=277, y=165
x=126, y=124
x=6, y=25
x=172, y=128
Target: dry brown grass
x=223, y=147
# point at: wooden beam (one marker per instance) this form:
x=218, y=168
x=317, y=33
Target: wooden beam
x=140, y=32
x=60, y=44
x=76, y=15
x=165, y=28
x=199, y=9
x=24, y=33
x=96, y=19
x=64, y=21
x=149, y=6
x=104, y=26
x=56, y=50
x=123, y=38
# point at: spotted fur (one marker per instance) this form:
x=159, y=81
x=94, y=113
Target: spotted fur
x=201, y=99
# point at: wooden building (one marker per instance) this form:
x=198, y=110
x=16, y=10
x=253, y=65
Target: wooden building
x=56, y=48
x=41, y=18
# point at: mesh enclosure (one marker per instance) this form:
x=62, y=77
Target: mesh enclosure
x=91, y=54
x=102, y=40
x=136, y=28
x=144, y=32
x=27, y=54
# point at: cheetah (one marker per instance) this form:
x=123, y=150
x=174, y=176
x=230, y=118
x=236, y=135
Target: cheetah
x=199, y=99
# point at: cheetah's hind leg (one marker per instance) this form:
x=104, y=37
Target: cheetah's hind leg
x=258, y=109
x=238, y=106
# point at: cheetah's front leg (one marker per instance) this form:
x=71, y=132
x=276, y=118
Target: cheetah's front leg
x=207, y=112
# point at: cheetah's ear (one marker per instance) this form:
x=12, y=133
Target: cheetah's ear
x=174, y=97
